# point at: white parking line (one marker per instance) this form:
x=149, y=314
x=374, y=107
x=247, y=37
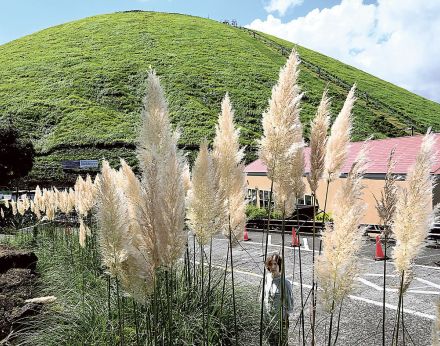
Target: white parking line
x=365, y=300
x=393, y=307
x=306, y=244
x=379, y=275
x=376, y=287
x=429, y=283
x=423, y=292
x=429, y=256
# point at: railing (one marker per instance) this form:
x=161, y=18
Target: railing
x=327, y=76
x=275, y=226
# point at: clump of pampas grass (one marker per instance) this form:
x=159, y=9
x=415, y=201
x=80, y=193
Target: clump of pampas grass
x=337, y=143
x=414, y=214
x=123, y=260
x=228, y=157
x=85, y=195
x=337, y=266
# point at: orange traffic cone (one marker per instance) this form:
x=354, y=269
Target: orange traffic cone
x=379, y=256
x=295, y=238
x=246, y=236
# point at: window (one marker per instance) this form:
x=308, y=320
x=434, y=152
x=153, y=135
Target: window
x=252, y=196
x=264, y=199
x=306, y=200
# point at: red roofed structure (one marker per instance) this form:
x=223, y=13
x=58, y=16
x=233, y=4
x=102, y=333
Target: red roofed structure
x=378, y=153
x=406, y=150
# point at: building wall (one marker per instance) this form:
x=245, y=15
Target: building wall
x=373, y=187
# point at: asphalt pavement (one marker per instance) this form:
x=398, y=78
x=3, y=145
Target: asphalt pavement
x=361, y=318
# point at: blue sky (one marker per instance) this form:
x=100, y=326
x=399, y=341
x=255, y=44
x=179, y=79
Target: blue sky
x=22, y=17
x=396, y=40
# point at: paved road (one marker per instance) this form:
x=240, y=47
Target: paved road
x=362, y=311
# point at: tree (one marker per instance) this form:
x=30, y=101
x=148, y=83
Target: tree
x=16, y=155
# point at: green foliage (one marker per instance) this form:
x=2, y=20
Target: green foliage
x=76, y=88
x=80, y=315
x=327, y=217
x=253, y=212
x=16, y=155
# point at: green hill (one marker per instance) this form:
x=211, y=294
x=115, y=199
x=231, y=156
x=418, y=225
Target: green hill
x=76, y=88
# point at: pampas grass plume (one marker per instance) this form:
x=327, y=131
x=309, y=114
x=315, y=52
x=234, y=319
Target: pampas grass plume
x=337, y=266
x=111, y=217
x=281, y=120
x=414, y=214
x=228, y=156
x=162, y=166
x=82, y=233
x=14, y=207
x=281, y=147
x=386, y=205
x=204, y=204
x=318, y=142
x=41, y=300
x=339, y=140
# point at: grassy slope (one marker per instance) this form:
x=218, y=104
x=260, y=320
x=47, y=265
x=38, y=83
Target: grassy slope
x=420, y=110
x=82, y=83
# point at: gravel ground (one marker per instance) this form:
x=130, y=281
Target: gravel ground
x=361, y=318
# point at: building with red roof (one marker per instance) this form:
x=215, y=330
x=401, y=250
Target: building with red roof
x=406, y=149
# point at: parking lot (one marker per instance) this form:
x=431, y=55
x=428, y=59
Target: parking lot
x=361, y=321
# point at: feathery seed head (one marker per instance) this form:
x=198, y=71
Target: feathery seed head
x=231, y=181
x=414, y=214
x=339, y=140
x=281, y=147
x=204, y=205
x=162, y=167
x=281, y=124
x=318, y=141
x=111, y=216
x=337, y=266
x=14, y=207
x=82, y=233
x=386, y=206
x=186, y=177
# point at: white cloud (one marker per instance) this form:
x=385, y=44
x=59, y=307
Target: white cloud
x=396, y=40
x=281, y=6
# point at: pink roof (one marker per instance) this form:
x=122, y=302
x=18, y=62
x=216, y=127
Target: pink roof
x=379, y=151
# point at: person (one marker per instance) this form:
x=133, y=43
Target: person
x=272, y=301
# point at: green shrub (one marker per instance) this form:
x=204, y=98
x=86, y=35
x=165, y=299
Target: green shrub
x=327, y=217
x=254, y=213
x=80, y=315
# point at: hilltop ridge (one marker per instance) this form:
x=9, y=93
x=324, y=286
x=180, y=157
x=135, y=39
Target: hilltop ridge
x=76, y=89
